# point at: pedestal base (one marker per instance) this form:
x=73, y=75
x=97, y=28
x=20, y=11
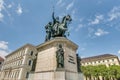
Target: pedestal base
x=54, y=75
x=58, y=75
x=46, y=66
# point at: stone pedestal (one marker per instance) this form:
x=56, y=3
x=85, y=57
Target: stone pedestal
x=46, y=66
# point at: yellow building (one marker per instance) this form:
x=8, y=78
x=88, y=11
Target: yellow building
x=19, y=64
x=105, y=59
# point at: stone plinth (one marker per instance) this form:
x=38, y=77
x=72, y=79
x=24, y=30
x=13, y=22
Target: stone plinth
x=46, y=66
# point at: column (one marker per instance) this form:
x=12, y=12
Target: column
x=24, y=62
x=20, y=74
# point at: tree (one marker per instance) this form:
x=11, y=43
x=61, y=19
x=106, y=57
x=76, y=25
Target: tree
x=87, y=70
x=107, y=73
x=96, y=72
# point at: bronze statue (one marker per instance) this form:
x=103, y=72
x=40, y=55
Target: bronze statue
x=48, y=28
x=60, y=57
x=57, y=28
x=78, y=63
x=56, y=23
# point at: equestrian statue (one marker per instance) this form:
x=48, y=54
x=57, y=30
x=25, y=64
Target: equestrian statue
x=57, y=28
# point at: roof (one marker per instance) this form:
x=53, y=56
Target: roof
x=1, y=59
x=19, y=49
x=99, y=57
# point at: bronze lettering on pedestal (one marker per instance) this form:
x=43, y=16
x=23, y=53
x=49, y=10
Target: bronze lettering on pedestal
x=71, y=59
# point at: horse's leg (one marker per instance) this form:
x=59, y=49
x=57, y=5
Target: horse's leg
x=63, y=34
x=49, y=35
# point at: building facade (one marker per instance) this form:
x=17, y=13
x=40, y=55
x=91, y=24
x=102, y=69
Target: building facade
x=1, y=62
x=19, y=64
x=105, y=59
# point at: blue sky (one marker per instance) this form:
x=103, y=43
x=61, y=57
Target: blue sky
x=95, y=24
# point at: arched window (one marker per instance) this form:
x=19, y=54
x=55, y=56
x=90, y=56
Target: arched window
x=30, y=62
x=31, y=53
x=27, y=74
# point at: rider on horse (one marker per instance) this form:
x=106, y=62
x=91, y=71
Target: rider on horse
x=55, y=24
x=57, y=28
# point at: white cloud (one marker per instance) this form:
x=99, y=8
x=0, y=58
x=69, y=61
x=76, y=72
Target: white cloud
x=59, y=2
x=1, y=17
x=90, y=32
x=101, y=32
x=19, y=10
x=4, y=48
x=70, y=5
x=3, y=53
x=10, y=6
x=73, y=14
x=4, y=7
x=1, y=5
x=3, y=45
x=1, y=8
x=118, y=51
x=97, y=19
x=79, y=27
x=114, y=13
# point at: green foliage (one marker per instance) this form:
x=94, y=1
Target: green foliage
x=107, y=73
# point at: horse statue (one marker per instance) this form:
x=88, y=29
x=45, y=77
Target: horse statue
x=57, y=28
x=62, y=27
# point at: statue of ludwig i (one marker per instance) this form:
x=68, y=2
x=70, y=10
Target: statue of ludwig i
x=57, y=28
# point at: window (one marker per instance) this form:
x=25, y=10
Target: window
x=29, y=62
x=112, y=59
x=31, y=53
x=27, y=74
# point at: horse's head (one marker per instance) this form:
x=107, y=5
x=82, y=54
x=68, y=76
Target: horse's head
x=68, y=17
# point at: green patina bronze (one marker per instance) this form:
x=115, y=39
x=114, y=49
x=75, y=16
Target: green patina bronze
x=57, y=28
x=78, y=63
x=60, y=56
